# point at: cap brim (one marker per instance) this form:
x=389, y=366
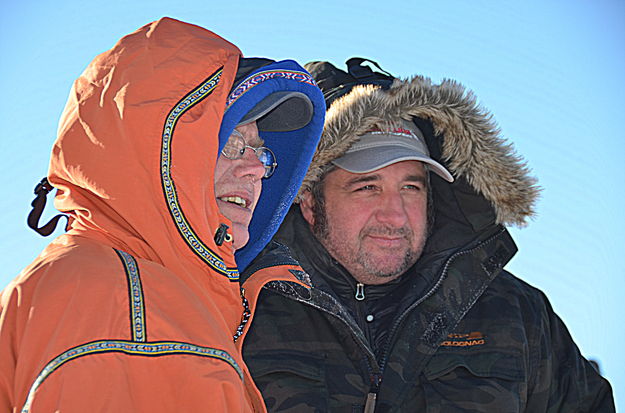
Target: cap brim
x=371, y=159
x=282, y=111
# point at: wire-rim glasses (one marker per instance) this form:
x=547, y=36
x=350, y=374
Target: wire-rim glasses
x=235, y=149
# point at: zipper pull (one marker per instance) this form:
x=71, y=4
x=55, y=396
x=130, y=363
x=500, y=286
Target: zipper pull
x=370, y=403
x=360, y=292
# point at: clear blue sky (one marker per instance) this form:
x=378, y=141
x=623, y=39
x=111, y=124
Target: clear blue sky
x=551, y=72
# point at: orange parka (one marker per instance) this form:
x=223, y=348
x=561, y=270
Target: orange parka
x=138, y=307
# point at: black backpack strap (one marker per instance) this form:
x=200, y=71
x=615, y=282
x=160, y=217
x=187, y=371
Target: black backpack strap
x=364, y=73
x=335, y=82
x=39, y=203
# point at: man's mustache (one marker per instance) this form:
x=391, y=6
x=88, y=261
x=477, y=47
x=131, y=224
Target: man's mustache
x=404, y=232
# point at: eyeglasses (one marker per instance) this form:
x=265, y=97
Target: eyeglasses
x=236, y=146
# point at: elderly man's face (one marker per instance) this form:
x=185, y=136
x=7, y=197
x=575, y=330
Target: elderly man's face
x=238, y=185
x=376, y=222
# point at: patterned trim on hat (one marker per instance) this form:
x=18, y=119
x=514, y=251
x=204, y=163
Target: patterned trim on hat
x=135, y=292
x=156, y=349
x=263, y=76
x=185, y=229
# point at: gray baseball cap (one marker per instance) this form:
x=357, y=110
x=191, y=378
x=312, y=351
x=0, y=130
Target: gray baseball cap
x=282, y=111
x=379, y=148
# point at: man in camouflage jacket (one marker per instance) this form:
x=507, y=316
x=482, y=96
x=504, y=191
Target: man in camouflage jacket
x=454, y=332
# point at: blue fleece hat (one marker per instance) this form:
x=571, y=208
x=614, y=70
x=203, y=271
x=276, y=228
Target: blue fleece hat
x=289, y=110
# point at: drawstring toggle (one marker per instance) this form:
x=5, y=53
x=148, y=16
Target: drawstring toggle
x=42, y=190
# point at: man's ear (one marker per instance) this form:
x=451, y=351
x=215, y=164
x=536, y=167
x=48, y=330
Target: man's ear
x=306, y=206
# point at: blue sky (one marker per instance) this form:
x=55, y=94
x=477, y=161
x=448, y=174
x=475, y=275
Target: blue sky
x=551, y=72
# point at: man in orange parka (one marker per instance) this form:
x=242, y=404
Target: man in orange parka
x=162, y=151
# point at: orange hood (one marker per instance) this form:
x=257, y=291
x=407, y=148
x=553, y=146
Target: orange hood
x=138, y=142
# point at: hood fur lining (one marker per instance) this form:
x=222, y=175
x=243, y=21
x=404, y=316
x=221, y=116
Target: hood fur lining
x=472, y=146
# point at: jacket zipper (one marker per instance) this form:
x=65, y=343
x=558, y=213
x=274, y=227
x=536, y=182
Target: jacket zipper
x=370, y=403
x=254, y=270
x=372, y=396
x=245, y=317
x=436, y=286
x=370, y=356
x=376, y=377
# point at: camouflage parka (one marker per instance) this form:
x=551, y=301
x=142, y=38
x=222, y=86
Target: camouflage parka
x=462, y=334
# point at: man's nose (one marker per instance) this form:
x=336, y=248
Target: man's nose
x=249, y=164
x=392, y=209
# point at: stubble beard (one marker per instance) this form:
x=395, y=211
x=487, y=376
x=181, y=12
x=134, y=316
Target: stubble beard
x=370, y=267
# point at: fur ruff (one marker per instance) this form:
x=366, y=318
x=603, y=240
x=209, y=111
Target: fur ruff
x=472, y=146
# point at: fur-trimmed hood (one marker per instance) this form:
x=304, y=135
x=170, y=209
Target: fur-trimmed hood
x=465, y=137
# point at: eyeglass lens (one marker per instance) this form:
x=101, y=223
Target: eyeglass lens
x=236, y=146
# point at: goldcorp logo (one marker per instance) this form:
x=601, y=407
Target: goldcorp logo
x=472, y=339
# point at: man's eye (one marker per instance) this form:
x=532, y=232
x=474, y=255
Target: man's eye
x=413, y=187
x=365, y=188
